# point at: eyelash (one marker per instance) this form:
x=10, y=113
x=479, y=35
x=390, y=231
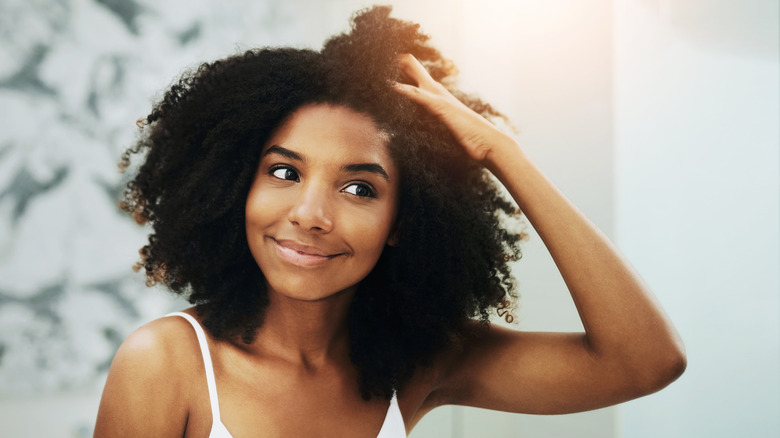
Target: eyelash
x=371, y=192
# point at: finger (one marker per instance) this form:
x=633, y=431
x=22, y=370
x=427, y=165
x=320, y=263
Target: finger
x=415, y=93
x=433, y=102
x=412, y=68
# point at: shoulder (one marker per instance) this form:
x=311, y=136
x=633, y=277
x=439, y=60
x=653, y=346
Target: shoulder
x=148, y=379
x=160, y=346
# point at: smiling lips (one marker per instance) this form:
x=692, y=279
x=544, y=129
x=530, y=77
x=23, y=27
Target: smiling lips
x=301, y=255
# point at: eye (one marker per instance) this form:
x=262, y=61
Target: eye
x=285, y=173
x=360, y=190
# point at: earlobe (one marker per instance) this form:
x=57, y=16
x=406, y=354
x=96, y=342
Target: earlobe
x=392, y=239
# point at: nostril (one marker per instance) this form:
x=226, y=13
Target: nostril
x=311, y=216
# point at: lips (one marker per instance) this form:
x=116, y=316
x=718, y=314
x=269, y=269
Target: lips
x=302, y=255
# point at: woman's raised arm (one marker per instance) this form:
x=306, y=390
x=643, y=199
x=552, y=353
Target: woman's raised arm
x=630, y=347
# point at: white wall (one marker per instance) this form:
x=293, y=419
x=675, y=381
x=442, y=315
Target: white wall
x=696, y=106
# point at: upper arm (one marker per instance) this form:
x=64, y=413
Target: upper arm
x=143, y=392
x=539, y=373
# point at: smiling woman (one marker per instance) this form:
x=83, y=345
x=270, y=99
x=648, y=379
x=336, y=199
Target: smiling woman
x=325, y=198
x=337, y=228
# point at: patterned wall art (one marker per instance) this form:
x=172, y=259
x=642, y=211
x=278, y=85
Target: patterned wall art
x=75, y=75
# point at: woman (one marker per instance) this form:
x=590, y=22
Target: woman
x=331, y=217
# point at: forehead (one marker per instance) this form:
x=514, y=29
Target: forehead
x=332, y=131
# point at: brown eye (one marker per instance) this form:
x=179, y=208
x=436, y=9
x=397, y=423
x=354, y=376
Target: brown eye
x=360, y=190
x=285, y=173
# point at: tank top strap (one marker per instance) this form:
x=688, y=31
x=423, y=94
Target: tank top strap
x=204, y=351
x=393, y=426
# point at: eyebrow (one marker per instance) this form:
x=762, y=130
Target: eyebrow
x=275, y=149
x=367, y=167
x=357, y=167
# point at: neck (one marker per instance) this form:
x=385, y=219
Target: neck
x=307, y=333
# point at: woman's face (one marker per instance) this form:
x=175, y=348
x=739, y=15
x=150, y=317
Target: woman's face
x=323, y=203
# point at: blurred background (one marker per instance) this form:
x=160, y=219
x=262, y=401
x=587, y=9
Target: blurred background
x=659, y=118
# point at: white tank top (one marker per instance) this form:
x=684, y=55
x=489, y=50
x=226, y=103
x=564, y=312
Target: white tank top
x=393, y=426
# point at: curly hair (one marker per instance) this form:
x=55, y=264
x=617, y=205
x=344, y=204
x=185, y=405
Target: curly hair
x=202, y=144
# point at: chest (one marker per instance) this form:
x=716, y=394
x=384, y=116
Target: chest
x=257, y=399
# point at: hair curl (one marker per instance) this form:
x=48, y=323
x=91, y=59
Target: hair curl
x=202, y=145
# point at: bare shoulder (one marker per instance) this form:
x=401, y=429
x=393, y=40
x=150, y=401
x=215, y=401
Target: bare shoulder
x=159, y=349
x=148, y=379
x=162, y=337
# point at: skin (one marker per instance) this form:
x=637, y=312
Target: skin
x=298, y=365
x=336, y=163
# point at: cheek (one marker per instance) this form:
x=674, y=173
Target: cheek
x=261, y=206
x=372, y=232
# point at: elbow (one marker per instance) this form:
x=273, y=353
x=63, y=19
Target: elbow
x=674, y=366
x=664, y=368
x=679, y=362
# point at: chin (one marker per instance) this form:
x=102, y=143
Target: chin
x=303, y=291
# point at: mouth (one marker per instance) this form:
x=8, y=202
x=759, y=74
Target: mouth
x=302, y=255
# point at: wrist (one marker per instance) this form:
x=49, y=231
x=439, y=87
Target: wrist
x=506, y=151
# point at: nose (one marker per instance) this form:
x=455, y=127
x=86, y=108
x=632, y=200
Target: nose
x=311, y=211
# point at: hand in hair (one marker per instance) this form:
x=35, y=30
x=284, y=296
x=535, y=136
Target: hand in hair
x=477, y=135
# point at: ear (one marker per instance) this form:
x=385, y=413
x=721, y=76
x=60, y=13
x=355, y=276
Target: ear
x=393, y=237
